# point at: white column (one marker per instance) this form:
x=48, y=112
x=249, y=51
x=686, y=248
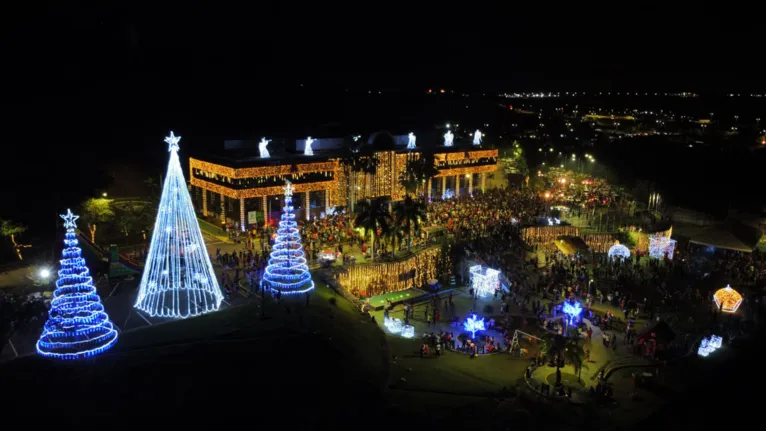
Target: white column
x=444, y=186
x=483, y=181
x=223, y=209
x=429, y=189
x=204, y=203
x=307, y=205
x=242, y=219
x=457, y=185
x=265, y=210
x=470, y=184
x=326, y=201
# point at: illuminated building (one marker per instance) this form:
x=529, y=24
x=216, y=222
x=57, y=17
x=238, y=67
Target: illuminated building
x=244, y=186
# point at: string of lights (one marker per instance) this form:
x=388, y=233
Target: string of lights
x=77, y=326
x=287, y=271
x=262, y=171
x=379, y=278
x=260, y=191
x=178, y=279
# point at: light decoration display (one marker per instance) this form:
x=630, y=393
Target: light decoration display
x=660, y=245
x=618, y=251
x=709, y=345
x=484, y=280
x=408, y=331
x=473, y=325
x=381, y=278
x=727, y=299
x=77, y=326
x=287, y=271
x=477, y=137
x=393, y=325
x=411, y=141
x=448, y=138
x=262, y=148
x=178, y=279
x=307, y=151
x=466, y=170
x=552, y=221
x=573, y=310
x=448, y=194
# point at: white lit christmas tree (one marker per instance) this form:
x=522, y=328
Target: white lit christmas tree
x=178, y=279
x=287, y=271
x=77, y=325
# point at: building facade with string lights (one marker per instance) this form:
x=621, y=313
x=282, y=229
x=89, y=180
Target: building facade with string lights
x=244, y=186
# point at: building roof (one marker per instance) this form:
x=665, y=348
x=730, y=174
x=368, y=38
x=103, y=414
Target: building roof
x=571, y=244
x=731, y=235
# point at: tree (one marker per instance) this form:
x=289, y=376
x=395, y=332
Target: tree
x=95, y=211
x=574, y=354
x=287, y=271
x=373, y=216
x=178, y=278
x=408, y=214
x=417, y=172
x=514, y=161
x=78, y=326
x=11, y=229
x=350, y=162
x=133, y=216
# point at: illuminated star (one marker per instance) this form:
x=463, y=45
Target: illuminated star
x=69, y=219
x=288, y=188
x=172, y=141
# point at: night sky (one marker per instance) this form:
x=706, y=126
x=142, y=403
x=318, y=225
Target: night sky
x=86, y=86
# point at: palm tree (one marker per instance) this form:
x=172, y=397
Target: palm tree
x=409, y=213
x=372, y=216
x=394, y=236
x=574, y=354
x=350, y=162
x=418, y=171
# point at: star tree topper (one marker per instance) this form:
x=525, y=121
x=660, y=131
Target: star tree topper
x=172, y=141
x=288, y=188
x=69, y=219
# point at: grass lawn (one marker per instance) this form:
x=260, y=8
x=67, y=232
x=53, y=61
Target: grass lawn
x=323, y=361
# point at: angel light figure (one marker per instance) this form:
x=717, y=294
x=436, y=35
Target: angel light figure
x=262, y=148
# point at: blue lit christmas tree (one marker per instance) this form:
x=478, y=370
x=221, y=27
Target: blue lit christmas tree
x=287, y=271
x=178, y=279
x=77, y=325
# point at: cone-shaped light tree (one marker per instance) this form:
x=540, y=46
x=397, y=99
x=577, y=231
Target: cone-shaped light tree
x=287, y=271
x=178, y=279
x=77, y=325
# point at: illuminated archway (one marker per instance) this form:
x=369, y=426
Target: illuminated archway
x=619, y=251
x=727, y=299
